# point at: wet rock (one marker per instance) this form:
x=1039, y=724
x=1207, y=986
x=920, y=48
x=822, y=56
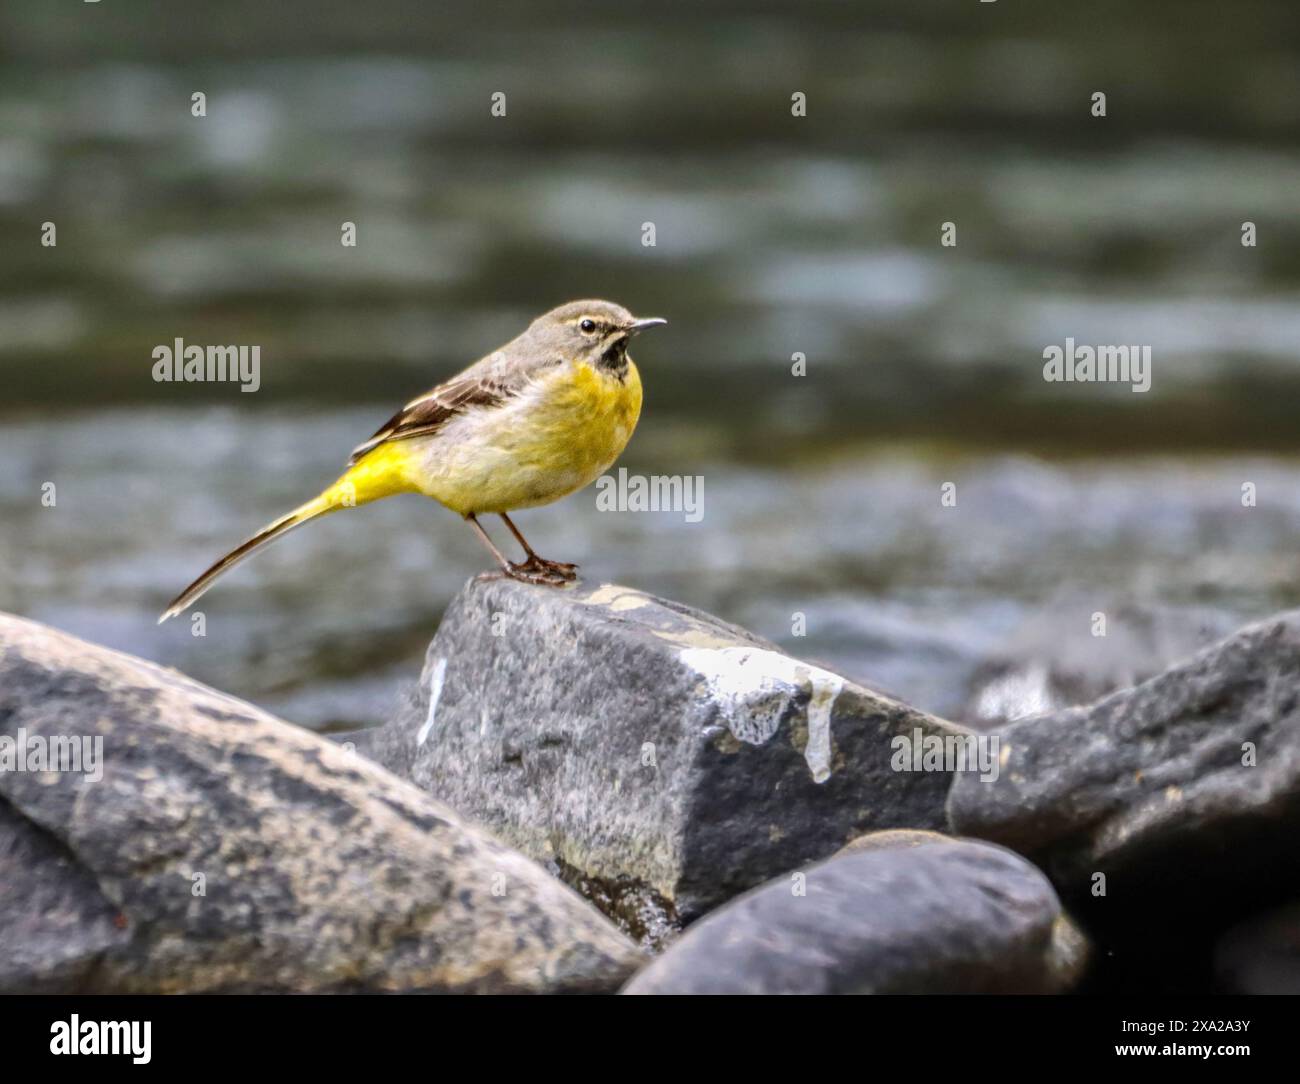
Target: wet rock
x=1180, y=797
x=650, y=748
x=1262, y=954
x=946, y=916
x=212, y=847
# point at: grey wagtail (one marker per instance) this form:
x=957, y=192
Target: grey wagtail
x=532, y=422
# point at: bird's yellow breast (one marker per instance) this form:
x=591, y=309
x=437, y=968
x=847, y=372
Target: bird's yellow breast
x=584, y=420
x=558, y=435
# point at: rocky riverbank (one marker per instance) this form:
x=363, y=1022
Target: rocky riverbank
x=745, y=820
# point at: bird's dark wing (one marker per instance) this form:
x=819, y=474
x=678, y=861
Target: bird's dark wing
x=429, y=413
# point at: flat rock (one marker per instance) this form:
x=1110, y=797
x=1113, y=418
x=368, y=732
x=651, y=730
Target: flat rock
x=662, y=759
x=221, y=849
x=898, y=917
x=1180, y=797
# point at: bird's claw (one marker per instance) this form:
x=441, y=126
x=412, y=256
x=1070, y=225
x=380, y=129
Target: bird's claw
x=543, y=579
x=540, y=570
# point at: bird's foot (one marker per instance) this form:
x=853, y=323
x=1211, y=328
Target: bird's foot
x=540, y=570
x=543, y=579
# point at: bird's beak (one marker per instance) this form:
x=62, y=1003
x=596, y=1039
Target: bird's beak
x=638, y=326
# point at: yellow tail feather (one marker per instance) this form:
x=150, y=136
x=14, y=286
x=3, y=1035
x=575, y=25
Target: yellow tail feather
x=311, y=510
x=380, y=473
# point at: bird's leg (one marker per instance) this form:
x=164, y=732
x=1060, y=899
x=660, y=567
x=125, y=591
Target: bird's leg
x=535, y=563
x=522, y=572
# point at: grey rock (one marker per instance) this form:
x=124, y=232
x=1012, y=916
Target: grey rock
x=1151, y=786
x=54, y=920
x=662, y=759
x=321, y=872
x=948, y=916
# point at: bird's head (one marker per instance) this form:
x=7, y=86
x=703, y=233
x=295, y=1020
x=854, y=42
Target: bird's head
x=596, y=332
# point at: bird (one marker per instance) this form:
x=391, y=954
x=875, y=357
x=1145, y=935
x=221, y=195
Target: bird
x=535, y=420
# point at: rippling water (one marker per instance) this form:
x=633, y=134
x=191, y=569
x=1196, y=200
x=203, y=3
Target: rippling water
x=977, y=611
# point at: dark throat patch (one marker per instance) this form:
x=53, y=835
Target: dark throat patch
x=614, y=359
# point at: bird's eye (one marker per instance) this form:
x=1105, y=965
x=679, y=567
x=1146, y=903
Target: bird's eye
x=588, y=326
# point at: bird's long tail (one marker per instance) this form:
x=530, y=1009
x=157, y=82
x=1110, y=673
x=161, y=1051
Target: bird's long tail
x=319, y=506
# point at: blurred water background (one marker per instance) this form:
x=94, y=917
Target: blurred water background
x=775, y=235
